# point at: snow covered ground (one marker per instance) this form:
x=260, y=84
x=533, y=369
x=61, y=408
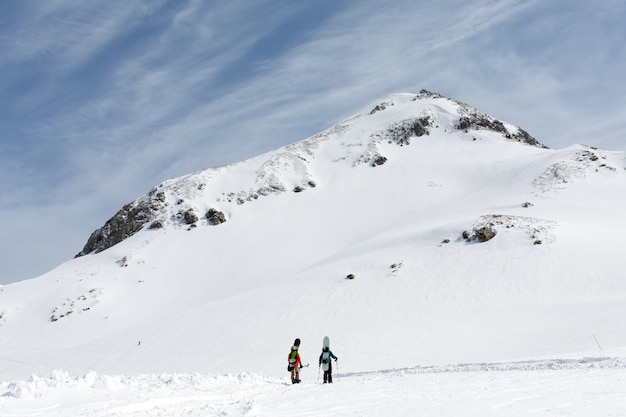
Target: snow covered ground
x=195, y=319
x=591, y=387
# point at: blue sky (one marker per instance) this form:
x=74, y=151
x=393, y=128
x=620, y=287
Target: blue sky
x=101, y=100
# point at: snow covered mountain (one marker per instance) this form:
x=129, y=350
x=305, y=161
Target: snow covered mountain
x=417, y=232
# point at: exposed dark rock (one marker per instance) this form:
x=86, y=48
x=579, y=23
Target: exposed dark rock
x=402, y=132
x=190, y=217
x=300, y=188
x=274, y=187
x=350, y=276
x=419, y=127
x=160, y=196
x=378, y=160
x=485, y=233
x=480, y=121
x=584, y=156
x=157, y=224
x=215, y=217
x=125, y=223
x=427, y=94
x=481, y=234
x=380, y=107
x=123, y=262
x=524, y=137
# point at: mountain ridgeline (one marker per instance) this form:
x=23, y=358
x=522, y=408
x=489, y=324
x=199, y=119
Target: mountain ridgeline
x=427, y=111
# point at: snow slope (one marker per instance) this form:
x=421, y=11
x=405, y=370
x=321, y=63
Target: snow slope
x=396, y=205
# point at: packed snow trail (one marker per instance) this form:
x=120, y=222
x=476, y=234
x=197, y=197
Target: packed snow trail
x=588, y=387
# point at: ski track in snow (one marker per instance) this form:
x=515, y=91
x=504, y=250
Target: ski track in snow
x=572, y=387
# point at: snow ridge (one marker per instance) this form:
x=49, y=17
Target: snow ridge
x=36, y=386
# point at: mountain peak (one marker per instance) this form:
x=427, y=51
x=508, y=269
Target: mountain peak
x=399, y=119
x=469, y=118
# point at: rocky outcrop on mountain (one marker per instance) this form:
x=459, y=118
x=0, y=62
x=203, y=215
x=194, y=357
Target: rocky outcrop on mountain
x=473, y=119
x=402, y=132
x=190, y=216
x=125, y=223
x=477, y=121
x=538, y=230
x=480, y=234
x=215, y=217
x=380, y=107
x=152, y=211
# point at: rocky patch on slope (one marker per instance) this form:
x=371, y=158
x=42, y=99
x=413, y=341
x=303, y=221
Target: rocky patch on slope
x=587, y=160
x=77, y=305
x=539, y=231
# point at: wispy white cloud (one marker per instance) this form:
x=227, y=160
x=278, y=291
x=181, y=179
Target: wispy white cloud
x=63, y=34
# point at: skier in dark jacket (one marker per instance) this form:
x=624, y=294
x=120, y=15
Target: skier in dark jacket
x=325, y=363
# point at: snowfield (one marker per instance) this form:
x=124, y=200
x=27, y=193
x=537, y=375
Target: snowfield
x=542, y=388
x=458, y=267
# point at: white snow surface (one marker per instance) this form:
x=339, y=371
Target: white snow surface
x=198, y=320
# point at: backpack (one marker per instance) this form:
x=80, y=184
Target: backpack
x=325, y=359
x=293, y=357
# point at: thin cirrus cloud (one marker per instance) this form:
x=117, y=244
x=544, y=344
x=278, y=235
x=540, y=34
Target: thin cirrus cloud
x=102, y=100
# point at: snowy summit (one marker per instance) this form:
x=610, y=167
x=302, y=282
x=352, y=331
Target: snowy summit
x=427, y=239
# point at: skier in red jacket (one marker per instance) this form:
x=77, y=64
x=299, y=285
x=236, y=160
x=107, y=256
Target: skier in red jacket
x=295, y=363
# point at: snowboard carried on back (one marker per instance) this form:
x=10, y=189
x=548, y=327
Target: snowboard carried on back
x=325, y=353
x=293, y=355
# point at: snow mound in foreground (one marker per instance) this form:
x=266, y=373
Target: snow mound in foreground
x=551, y=387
